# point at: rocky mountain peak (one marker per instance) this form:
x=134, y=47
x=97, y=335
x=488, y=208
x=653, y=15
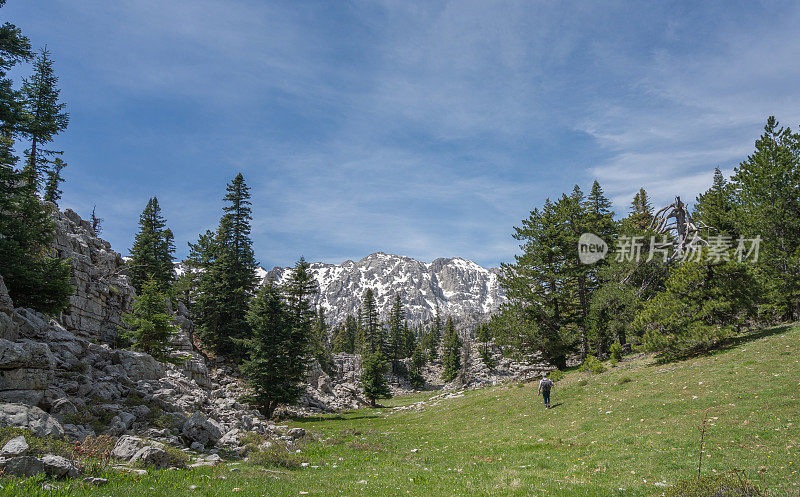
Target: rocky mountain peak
x=456, y=286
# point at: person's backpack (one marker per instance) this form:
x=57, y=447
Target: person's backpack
x=547, y=384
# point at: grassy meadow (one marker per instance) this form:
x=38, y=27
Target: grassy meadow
x=632, y=430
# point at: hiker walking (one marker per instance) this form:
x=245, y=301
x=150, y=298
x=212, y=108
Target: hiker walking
x=544, y=389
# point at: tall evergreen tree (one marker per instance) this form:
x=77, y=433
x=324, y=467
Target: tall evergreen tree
x=768, y=206
x=228, y=282
x=43, y=116
x=320, y=342
x=33, y=276
x=152, y=252
x=451, y=356
x=396, y=331
x=301, y=292
x=715, y=207
x=373, y=377
x=14, y=48
x=435, y=335
x=149, y=325
x=346, y=336
x=641, y=212
x=52, y=193
x=374, y=336
x=540, y=307
x=277, y=352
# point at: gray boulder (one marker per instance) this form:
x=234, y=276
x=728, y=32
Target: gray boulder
x=23, y=466
x=138, y=365
x=127, y=446
x=30, y=418
x=152, y=455
x=58, y=466
x=15, y=447
x=199, y=428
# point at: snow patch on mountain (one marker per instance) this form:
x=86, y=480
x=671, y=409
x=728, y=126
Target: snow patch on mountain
x=458, y=287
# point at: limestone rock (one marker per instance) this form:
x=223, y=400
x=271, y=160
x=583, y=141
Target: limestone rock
x=23, y=466
x=199, y=428
x=152, y=455
x=127, y=446
x=138, y=365
x=17, y=446
x=58, y=466
x=31, y=418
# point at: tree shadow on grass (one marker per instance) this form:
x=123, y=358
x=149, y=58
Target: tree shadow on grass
x=338, y=417
x=727, y=344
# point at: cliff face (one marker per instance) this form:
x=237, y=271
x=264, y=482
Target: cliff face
x=456, y=286
x=102, y=292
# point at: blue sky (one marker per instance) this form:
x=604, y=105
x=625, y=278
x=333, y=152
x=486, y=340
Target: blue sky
x=426, y=128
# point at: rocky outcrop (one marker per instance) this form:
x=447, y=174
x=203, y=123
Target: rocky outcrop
x=456, y=286
x=15, y=461
x=336, y=392
x=102, y=290
x=90, y=388
x=30, y=418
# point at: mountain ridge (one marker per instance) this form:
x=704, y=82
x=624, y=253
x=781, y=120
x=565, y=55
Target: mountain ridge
x=457, y=286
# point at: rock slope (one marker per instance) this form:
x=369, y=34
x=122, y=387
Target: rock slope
x=456, y=286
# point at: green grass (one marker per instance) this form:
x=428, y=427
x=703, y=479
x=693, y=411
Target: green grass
x=614, y=433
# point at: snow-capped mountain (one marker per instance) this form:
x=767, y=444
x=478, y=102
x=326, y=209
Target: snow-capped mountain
x=457, y=286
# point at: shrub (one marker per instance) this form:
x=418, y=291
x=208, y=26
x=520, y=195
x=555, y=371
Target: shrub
x=276, y=456
x=616, y=352
x=556, y=375
x=486, y=357
x=38, y=446
x=416, y=379
x=592, y=365
x=177, y=457
x=716, y=486
x=624, y=379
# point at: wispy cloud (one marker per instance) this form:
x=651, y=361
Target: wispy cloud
x=422, y=128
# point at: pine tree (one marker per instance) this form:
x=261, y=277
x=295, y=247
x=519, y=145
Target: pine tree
x=43, y=116
x=51, y=191
x=149, y=325
x=599, y=216
x=14, y=48
x=418, y=359
x=301, y=292
x=373, y=377
x=541, y=299
x=641, y=211
x=409, y=340
x=345, y=335
x=33, y=276
x=152, y=252
x=715, y=207
x=768, y=206
x=396, y=331
x=435, y=336
x=277, y=354
x=228, y=280
x=451, y=356
x=374, y=337
x=320, y=343
x=484, y=335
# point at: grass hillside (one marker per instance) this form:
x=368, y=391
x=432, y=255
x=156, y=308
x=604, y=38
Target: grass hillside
x=627, y=431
